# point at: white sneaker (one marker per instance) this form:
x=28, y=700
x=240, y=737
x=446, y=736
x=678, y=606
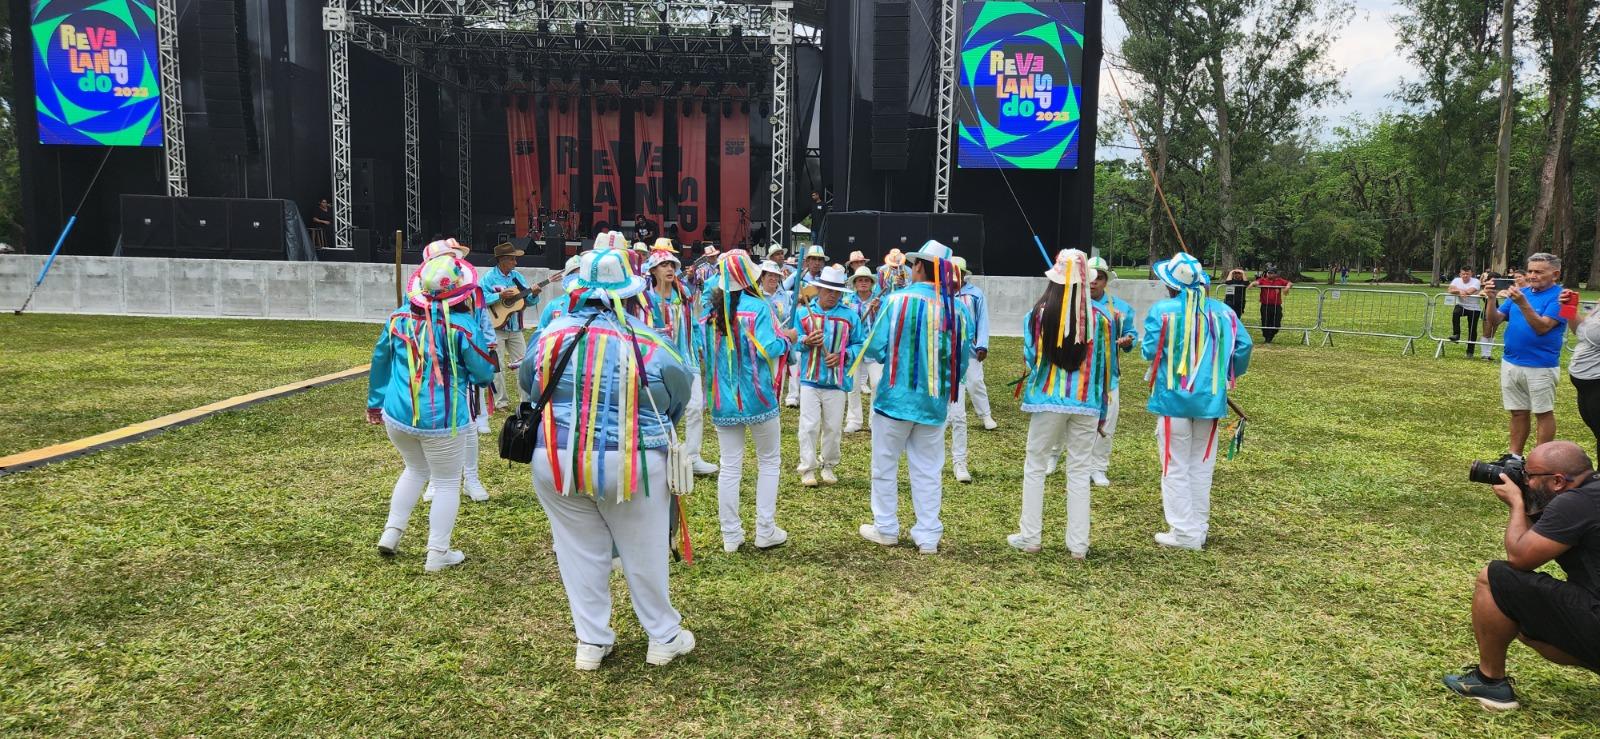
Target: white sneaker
x=808, y=479
x=1098, y=479
x=703, y=468
x=852, y=428
x=989, y=424
x=732, y=546
x=390, y=541
x=476, y=492
x=590, y=655
x=1017, y=542
x=929, y=549
x=962, y=475
x=792, y=402
x=1170, y=541
x=1050, y=468
x=779, y=536
x=438, y=560
x=828, y=477
x=660, y=654
x=427, y=495
x=1080, y=556
x=871, y=533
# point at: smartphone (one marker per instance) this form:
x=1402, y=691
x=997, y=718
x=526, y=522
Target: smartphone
x=1503, y=283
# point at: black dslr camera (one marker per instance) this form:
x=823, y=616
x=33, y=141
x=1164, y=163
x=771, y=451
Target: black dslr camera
x=1489, y=473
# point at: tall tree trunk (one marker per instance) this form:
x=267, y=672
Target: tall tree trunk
x=1224, y=154
x=1502, y=167
x=1594, y=258
x=1438, y=251
x=1549, y=172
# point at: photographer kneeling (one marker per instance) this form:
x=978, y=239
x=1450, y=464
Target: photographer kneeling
x=1559, y=619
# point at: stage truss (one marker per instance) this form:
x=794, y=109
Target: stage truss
x=523, y=46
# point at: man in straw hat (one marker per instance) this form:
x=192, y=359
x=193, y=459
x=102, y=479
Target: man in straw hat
x=1197, y=350
x=856, y=261
x=830, y=338
x=505, y=280
x=893, y=274
x=600, y=462
x=924, y=340
x=972, y=385
x=863, y=299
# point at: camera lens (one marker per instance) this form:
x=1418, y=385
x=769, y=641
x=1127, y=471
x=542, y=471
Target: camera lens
x=1486, y=473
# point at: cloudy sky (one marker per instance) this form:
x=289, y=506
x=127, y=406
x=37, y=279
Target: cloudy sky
x=1365, y=53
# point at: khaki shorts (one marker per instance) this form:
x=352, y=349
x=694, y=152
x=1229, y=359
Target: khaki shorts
x=1528, y=388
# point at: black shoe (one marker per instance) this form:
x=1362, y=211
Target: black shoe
x=1455, y=338
x=1495, y=695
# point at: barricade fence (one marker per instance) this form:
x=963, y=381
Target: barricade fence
x=1297, y=309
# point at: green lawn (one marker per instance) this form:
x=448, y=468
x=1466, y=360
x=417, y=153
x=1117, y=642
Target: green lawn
x=67, y=377
x=221, y=579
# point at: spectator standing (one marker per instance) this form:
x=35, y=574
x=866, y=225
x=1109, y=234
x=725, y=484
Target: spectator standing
x=1584, y=369
x=1532, y=356
x=1466, y=288
x=1273, y=287
x=1234, y=296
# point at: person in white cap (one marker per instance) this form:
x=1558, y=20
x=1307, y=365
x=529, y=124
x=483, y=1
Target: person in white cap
x=972, y=385
x=830, y=338
x=1067, y=349
x=863, y=298
x=924, y=341
x=672, y=314
x=599, y=462
x=1124, y=334
x=1197, y=350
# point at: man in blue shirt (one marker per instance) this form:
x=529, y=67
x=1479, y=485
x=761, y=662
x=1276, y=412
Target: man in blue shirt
x=1532, y=361
x=505, y=281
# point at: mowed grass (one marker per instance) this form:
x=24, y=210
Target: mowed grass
x=221, y=580
x=67, y=377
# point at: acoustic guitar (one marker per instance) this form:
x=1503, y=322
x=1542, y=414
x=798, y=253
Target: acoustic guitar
x=513, y=302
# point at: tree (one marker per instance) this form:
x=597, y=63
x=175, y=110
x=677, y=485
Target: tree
x=10, y=174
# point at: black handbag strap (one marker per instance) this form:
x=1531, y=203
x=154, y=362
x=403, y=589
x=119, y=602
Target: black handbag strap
x=560, y=369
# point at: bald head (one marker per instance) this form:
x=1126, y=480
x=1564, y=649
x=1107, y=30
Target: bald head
x=1563, y=457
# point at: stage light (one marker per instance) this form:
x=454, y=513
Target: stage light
x=649, y=106
x=616, y=104
x=687, y=107
x=727, y=109
x=661, y=7
x=705, y=107
x=561, y=104
x=744, y=107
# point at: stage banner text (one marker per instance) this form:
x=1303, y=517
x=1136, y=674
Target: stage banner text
x=649, y=165
x=524, y=143
x=735, y=170
x=607, y=166
x=1020, y=85
x=691, y=174
x=564, y=182
x=96, y=72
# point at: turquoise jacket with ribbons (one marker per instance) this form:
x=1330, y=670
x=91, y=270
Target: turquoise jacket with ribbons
x=841, y=333
x=923, y=362
x=742, y=373
x=1197, y=350
x=425, y=368
x=1083, y=390
x=1122, y=325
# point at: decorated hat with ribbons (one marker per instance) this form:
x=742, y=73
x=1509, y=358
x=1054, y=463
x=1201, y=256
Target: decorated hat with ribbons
x=443, y=247
x=608, y=272
x=1182, y=272
x=446, y=279
x=660, y=257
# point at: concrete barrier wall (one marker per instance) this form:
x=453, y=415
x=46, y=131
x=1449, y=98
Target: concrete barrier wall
x=333, y=291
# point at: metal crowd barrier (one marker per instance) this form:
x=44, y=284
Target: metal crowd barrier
x=1394, y=314
x=1302, y=308
x=1441, y=311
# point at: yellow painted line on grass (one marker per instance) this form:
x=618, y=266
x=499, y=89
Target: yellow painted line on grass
x=55, y=453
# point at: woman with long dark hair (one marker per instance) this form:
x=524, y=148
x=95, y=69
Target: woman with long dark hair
x=428, y=369
x=1067, y=346
x=743, y=346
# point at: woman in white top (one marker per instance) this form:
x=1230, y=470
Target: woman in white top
x=1584, y=368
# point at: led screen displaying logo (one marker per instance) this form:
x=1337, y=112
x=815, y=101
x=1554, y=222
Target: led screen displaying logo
x=1019, y=85
x=96, y=72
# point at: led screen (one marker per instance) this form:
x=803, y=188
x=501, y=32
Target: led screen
x=96, y=72
x=1019, y=86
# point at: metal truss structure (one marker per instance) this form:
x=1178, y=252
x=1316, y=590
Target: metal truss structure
x=499, y=46
x=947, y=96
x=172, y=139
x=464, y=162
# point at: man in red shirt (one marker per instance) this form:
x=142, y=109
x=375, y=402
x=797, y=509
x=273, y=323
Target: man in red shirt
x=1272, y=288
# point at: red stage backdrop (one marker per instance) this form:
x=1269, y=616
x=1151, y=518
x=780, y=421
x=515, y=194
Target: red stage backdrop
x=607, y=144
x=735, y=150
x=649, y=165
x=691, y=173
x=564, y=183
x=524, y=166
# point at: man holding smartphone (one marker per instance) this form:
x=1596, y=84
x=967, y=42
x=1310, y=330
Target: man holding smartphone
x=1532, y=358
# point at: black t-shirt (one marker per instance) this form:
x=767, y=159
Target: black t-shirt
x=1573, y=518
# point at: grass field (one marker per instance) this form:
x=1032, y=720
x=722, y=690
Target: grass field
x=221, y=580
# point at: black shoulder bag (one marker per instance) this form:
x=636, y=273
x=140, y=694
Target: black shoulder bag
x=518, y=432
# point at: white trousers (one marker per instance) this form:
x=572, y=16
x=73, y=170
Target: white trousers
x=512, y=346
x=793, y=395
x=867, y=374
x=974, y=386
x=1047, y=432
x=957, y=421
x=584, y=530
x=923, y=447
x=766, y=436
x=1188, y=448
x=1101, y=460
x=821, y=414
x=434, y=462
x=694, y=419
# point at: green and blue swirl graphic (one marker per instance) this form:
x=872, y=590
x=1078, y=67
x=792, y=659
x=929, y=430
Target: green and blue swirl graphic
x=96, y=72
x=1019, y=91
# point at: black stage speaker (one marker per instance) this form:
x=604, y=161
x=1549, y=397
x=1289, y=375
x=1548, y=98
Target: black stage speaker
x=891, y=56
x=256, y=225
x=874, y=233
x=203, y=227
x=147, y=222
x=225, y=77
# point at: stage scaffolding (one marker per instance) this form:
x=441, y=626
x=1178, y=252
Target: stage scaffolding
x=519, y=46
